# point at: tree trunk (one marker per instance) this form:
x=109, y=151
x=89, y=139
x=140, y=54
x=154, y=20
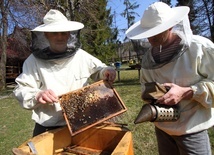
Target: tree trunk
x=4, y=47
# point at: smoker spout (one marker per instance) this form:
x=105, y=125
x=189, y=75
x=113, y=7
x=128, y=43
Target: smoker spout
x=147, y=113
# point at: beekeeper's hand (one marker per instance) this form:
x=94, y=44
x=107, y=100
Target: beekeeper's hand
x=46, y=96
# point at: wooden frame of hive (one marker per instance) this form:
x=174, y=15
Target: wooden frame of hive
x=90, y=105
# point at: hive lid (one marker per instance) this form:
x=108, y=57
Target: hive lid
x=90, y=105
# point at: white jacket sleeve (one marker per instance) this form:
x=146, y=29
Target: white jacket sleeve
x=28, y=85
x=204, y=89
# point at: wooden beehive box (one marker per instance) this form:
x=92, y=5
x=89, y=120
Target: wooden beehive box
x=90, y=105
x=98, y=140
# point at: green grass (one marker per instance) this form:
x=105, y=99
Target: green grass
x=16, y=124
x=143, y=134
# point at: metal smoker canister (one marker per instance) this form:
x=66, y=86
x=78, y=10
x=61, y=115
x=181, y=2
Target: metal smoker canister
x=157, y=113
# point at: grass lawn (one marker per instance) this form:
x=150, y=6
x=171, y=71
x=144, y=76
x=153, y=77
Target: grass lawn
x=16, y=124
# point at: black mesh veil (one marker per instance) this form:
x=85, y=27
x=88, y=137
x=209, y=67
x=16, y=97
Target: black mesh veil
x=40, y=46
x=184, y=32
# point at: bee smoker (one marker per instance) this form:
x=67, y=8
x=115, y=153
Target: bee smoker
x=157, y=113
x=153, y=111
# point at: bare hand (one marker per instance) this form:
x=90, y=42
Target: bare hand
x=175, y=94
x=46, y=96
x=109, y=74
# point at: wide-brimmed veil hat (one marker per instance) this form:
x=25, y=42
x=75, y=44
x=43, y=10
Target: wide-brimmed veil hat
x=157, y=18
x=55, y=21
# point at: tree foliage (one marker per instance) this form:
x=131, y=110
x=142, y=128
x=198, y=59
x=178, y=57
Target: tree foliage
x=12, y=14
x=129, y=13
x=167, y=2
x=201, y=16
x=98, y=38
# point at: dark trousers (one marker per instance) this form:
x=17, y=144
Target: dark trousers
x=189, y=144
x=38, y=129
